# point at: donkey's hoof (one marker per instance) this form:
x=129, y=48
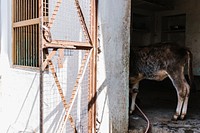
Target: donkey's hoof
x=175, y=118
x=131, y=111
x=182, y=117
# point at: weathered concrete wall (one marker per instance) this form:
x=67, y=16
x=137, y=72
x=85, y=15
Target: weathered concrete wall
x=192, y=10
x=113, y=65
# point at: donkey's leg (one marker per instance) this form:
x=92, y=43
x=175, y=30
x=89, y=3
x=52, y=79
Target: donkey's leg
x=134, y=92
x=185, y=104
x=181, y=92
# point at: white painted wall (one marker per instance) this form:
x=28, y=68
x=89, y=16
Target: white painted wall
x=20, y=88
x=113, y=65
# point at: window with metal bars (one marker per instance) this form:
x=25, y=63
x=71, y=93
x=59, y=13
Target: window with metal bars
x=26, y=33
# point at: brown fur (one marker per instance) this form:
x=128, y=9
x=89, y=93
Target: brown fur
x=158, y=61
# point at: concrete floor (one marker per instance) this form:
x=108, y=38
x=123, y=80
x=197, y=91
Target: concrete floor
x=158, y=101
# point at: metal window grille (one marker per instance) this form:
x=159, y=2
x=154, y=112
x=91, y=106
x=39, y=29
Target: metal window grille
x=46, y=8
x=25, y=33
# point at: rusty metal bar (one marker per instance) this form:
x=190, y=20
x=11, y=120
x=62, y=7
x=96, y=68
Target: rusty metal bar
x=58, y=3
x=61, y=94
x=67, y=44
x=26, y=46
x=23, y=13
x=82, y=22
x=15, y=10
x=19, y=10
x=26, y=9
x=85, y=62
x=20, y=46
x=16, y=45
x=34, y=12
x=29, y=9
x=26, y=22
x=34, y=45
x=93, y=70
x=48, y=57
x=53, y=72
x=37, y=45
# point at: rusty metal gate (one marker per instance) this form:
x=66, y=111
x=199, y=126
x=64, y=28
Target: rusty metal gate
x=67, y=65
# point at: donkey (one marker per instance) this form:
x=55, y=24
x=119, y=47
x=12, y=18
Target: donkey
x=158, y=61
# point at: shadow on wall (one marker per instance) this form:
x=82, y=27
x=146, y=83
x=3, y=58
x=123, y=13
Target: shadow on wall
x=93, y=101
x=18, y=125
x=113, y=61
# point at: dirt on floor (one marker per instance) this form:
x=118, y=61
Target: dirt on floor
x=158, y=101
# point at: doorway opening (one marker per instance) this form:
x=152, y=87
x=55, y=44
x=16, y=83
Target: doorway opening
x=154, y=21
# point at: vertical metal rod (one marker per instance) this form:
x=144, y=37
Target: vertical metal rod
x=19, y=18
x=29, y=8
x=27, y=54
x=16, y=45
x=26, y=34
x=19, y=9
x=34, y=7
x=36, y=48
x=33, y=38
x=24, y=45
x=26, y=9
x=26, y=42
x=20, y=45
x=31, y=46
x=23, y=16
x=32, y=42
x=40, y=4
x=27, y=46
x=34, y=45
x=15, y=9
x=93, y=69
x=22, y=13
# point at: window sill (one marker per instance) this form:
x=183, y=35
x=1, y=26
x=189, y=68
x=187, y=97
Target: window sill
x=26, y=68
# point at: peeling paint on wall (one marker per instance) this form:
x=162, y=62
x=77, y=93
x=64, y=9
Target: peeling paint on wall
x=113, y=65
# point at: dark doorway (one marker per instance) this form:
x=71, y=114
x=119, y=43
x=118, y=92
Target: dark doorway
x=155, y=21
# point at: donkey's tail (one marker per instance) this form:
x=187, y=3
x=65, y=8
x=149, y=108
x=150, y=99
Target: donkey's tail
x=190, y=69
